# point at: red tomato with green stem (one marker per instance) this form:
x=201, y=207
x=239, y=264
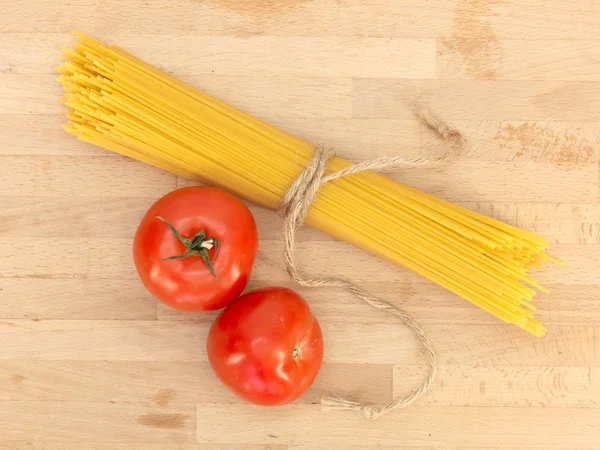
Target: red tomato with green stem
x=195, y=248
x=267, y=346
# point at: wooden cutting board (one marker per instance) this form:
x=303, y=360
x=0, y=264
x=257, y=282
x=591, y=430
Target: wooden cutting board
x=88, y=360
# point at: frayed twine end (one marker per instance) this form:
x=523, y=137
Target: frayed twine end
x=441, y=128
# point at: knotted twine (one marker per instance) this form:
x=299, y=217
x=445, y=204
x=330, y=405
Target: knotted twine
x=440, y=127
x=294, y=209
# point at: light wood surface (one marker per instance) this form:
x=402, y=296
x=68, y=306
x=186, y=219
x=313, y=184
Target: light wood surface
x=88, y=360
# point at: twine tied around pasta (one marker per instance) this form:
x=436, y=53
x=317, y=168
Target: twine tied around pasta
x=294, y=209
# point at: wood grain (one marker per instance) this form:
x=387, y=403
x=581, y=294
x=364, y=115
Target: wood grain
x=76, y=422
x=49, y=445
x=74, y=298
x=90, y=361
x=447, y=426
x=237, y=56
x=45, y=137
x=167, y=383
x=558, y=143
x=510, y=386
x=67, y=176
x=518, y=59
x=488, y=19
x=477, y=99
x=380, y=18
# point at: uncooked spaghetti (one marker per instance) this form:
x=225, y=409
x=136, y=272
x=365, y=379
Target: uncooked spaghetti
x=120, y=103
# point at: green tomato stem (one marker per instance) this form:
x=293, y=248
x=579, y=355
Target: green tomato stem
x=199, y=245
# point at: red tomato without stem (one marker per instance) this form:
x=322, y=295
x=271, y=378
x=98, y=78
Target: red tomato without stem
x=266, y=346
x=211, y=238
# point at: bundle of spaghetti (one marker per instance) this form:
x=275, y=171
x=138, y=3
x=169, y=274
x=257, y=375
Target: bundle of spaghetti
x=120, y=103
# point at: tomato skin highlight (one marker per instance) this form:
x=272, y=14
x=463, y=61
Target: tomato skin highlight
x=187, y=284
x=266, y=347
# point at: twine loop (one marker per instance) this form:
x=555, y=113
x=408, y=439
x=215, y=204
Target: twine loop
x=294, y=210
